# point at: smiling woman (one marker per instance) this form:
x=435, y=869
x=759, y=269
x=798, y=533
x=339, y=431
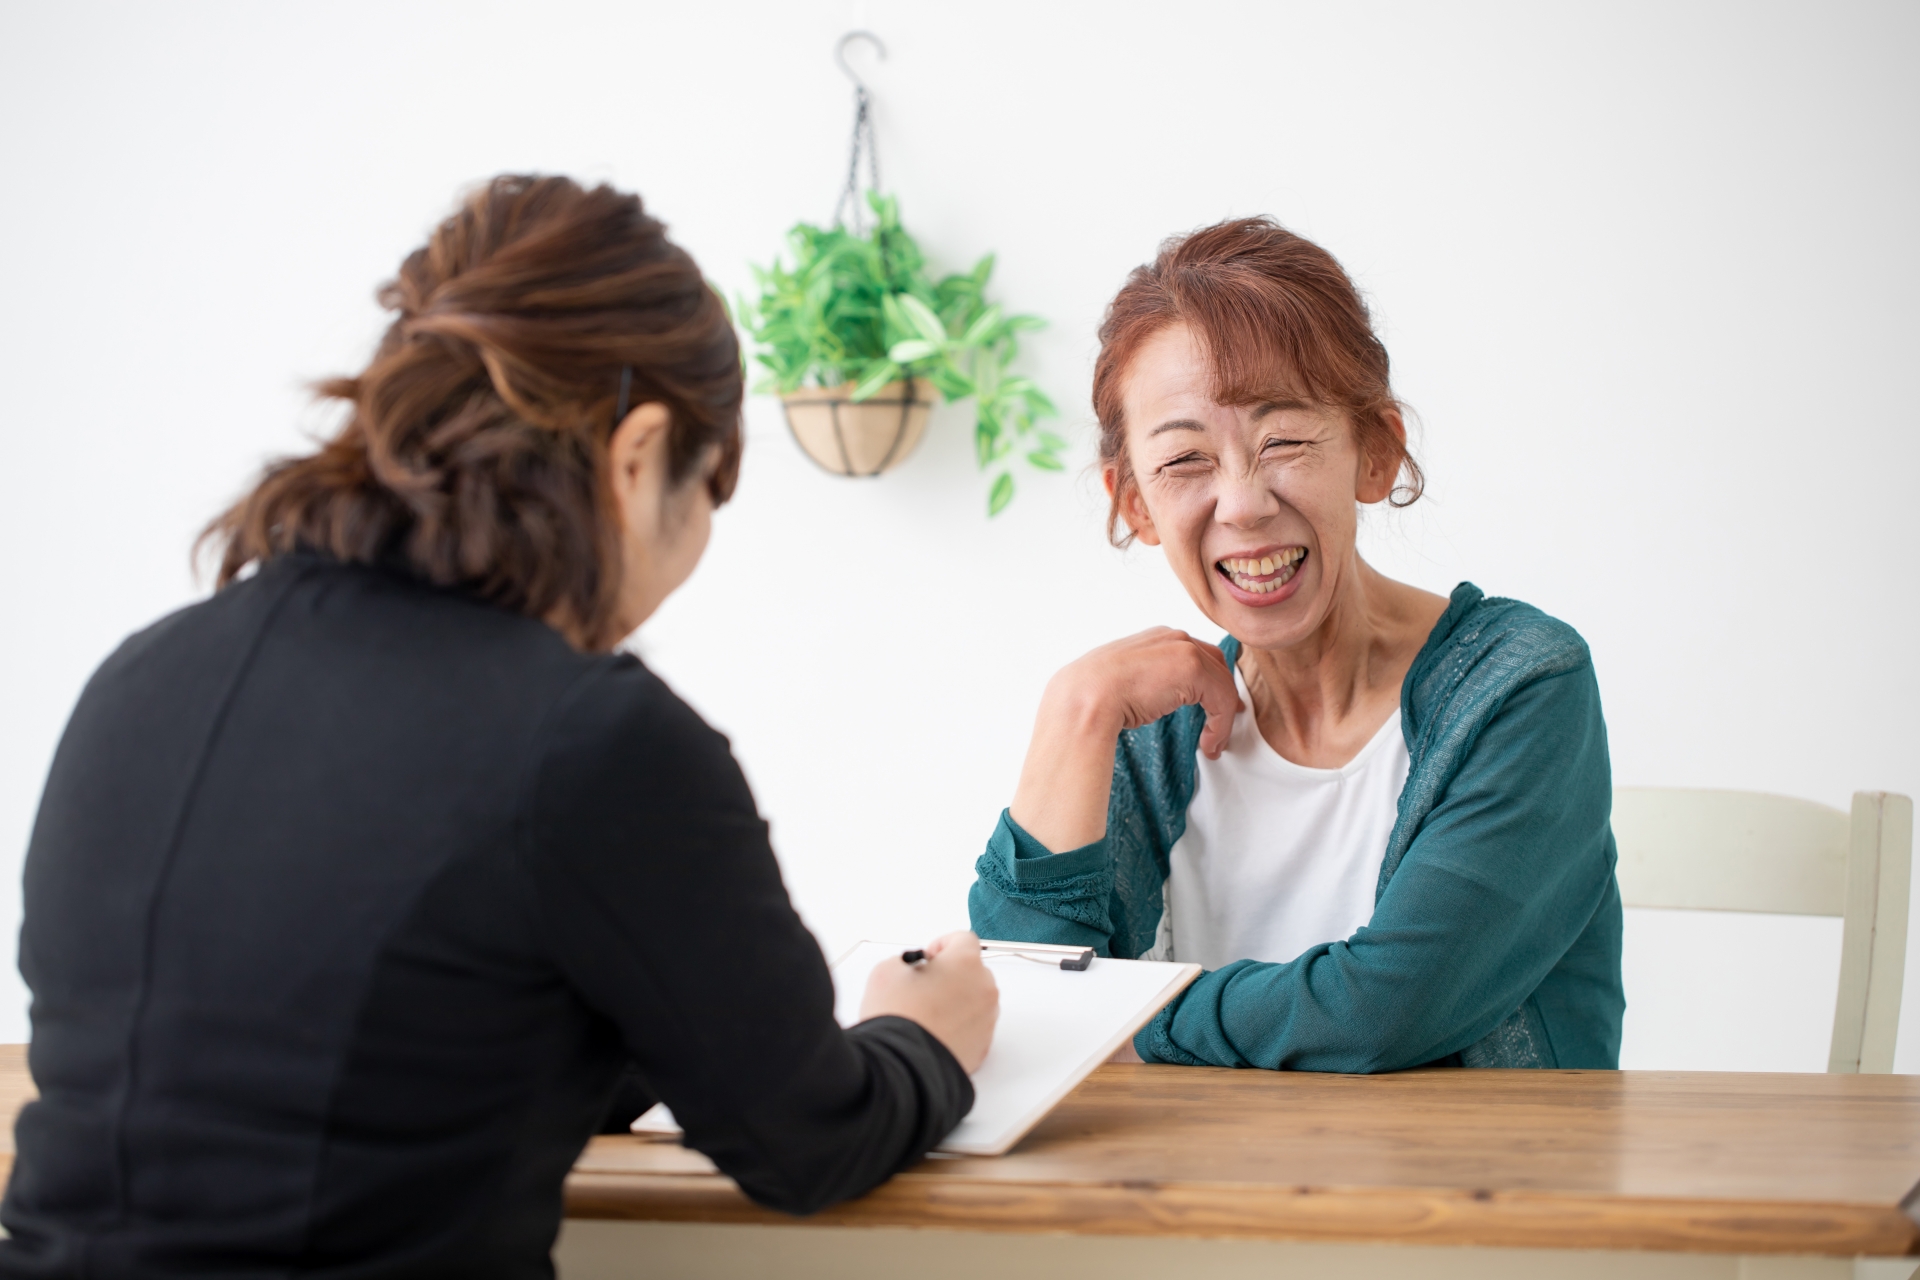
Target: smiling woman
x=1400, y=853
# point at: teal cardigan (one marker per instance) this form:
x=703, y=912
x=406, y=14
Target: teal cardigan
x=1495, y=936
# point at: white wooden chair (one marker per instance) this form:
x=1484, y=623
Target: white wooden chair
x=1748, y=851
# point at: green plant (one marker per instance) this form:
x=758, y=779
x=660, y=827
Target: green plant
x=862, y=309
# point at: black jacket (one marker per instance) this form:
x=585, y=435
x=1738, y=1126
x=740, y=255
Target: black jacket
x=348, y=900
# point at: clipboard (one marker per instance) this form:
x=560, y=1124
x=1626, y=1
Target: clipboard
x=1056, y=1025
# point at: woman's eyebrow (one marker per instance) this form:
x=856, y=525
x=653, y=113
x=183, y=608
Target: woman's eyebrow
x=1176, y=424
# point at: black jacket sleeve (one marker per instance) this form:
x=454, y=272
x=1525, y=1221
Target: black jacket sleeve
x=664, y=907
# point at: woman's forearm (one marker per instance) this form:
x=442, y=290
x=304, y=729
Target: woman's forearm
x=1068, y=775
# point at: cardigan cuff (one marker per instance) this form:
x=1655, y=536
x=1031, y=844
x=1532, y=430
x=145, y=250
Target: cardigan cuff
x=1154, y=1042
x=1026, y=861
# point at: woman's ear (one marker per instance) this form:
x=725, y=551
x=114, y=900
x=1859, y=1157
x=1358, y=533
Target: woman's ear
x=1379, y=466
x=1132, y=509
x=637, y=450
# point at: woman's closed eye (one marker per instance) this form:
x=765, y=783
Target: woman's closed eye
x=1184, y=464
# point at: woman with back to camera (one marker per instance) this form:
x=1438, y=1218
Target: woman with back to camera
x=355, y=886
x=1379, y=818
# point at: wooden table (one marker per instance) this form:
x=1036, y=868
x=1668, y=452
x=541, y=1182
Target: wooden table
x=1155, y=1171
x=1738, y=1175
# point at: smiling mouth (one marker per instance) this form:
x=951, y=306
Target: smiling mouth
x=1267, y=573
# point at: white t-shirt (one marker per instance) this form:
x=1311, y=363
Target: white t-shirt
x=1278, y=857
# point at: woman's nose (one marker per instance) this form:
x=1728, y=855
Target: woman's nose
x=1243, y=500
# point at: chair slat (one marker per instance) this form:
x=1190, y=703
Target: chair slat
x=1730, y=851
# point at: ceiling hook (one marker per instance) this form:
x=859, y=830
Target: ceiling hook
x=840, y=54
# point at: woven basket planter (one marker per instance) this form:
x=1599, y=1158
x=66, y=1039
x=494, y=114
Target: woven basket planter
x=859, y=438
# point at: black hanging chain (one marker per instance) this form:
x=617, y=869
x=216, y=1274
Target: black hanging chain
x=851, y=212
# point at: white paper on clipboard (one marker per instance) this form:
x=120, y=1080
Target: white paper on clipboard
x=1055, y=1027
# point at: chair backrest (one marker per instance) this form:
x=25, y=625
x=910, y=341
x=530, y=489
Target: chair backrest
x=1748, y=851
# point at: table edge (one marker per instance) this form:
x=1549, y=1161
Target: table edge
x=1301, y=1213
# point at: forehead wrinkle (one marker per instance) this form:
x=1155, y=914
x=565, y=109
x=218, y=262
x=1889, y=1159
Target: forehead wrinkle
x=1280, y=406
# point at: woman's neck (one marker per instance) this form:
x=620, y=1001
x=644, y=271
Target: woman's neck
x=1319, y=702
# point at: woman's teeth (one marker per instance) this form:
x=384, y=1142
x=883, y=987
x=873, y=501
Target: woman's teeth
x=1267, y=573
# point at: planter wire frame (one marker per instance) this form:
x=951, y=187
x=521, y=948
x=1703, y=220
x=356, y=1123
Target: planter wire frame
x=849, y=437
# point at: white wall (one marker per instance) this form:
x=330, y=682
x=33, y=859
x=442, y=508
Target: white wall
x=1647, y=272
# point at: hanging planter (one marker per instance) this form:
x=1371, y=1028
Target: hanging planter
x=852, y=437
x=857, y=337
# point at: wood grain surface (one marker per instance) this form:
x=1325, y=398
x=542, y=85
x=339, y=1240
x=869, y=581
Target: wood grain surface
x=1683, y=1161
x=1733, y=1163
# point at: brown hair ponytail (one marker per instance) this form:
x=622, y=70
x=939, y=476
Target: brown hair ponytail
x=475, y=451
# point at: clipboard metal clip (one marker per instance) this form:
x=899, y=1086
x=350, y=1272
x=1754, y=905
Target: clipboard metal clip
x=1072, y=959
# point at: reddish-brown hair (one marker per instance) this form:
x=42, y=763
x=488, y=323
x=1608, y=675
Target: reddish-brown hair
x=1277, y=317
x=475, y=449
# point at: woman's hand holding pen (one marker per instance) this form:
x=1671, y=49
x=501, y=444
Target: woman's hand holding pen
x=952, y=995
